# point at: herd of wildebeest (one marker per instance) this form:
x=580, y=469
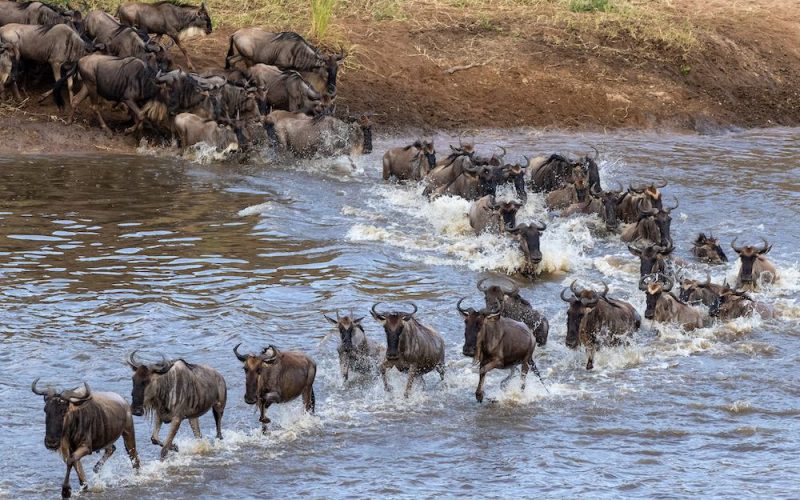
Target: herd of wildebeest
x=288, y=90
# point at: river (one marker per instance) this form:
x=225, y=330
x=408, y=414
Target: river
x=104, y=254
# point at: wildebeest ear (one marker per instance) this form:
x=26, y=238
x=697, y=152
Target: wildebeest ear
x=358, y=320
x=331, y=319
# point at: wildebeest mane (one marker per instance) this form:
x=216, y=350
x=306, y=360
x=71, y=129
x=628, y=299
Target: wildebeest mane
x=176, y=392
x=416, y=144
x=45, y=28
x=290, y=36
x=54, y=8
x=175, y=4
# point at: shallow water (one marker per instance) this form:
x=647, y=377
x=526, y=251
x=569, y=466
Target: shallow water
x=103, y=255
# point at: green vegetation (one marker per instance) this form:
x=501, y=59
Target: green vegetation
x=321, y=12
x=590, y=5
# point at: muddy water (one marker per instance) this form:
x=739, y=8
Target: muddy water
x=103, y=255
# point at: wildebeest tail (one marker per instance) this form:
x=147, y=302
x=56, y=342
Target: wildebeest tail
x=229, y=55
x=67, y=71
x=269, y=126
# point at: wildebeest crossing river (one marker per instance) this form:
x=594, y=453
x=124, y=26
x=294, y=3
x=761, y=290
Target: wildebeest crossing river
x=102, y=255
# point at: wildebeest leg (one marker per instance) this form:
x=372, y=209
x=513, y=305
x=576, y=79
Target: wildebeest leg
x=440, y=369
x=218, y=410
x=523, y=372
x=137, y=114
x=506, y=380
x=262, y=407
x=106, y=455
x=66, y=490
x=308, y=398
x=412, y=374
x=173, y=429
x=344, y=365
x=484, y=370
x=195, y=424
x=156, y=429
x=96, y=107
x=185, y=54
x=590, y=351
x=75, y=101
x=129, y=439
x=384, y=367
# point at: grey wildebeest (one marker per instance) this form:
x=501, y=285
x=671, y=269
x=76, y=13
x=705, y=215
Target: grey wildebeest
x=289, y=91
x=664, y=307
x=514, y=306
x=696, y=291
x=755, y=268
x=602, y=203
x=128, y=80
x=176, y=390
x=124, y=41
x=322, y=135
x=176, y=20
x=288, y=51
x=556, y=171
x=529, y=236
x=487, y=214
x=708, y=250
x=494, y=341
x=449, y=168
x=639, y=198
x=732, y=304
x=594, y=319
x=192, y=129
x=54, y=45
x=38, y=13
x=653, y=259
x=410, y=346
x=474, y=182
x=410, y=163
x=79, y=422
x=9, y=63
x=574, y=191
x=357, y=353
x=653, y=226
x=274, y=377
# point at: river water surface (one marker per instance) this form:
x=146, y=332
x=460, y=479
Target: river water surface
x=103, y=255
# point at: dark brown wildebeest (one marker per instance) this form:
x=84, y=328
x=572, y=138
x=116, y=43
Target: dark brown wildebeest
x=653, y=226
x=602, y=203
x=275, y=377
x=192, y=129
x=38, y=13
x=54, y=45
x=755, y=268
x=708, y=250
x=732, y=304
x=79, y=422
x=653, y=259
x=516, y=307
x=664, y=307
x=290, y=92
x=594, y=319
x=288, y=51
x=639, y=198
x=450, y=167
x=496, y=342
x=515, y=174
x=322, y=135
x=575, y=191
x=696, y=291
x=410, y=163
x=557, y=170
x=411, y=346
x=529, y=236
x=473, y=183
x=127, y=80
x=356, y=352
x=176, y=390
x=176, y=20
x=124, y=41
x=486, y=214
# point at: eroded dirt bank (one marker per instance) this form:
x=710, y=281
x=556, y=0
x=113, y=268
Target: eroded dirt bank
x=445, y=68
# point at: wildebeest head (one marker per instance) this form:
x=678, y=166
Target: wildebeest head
x=365, y=128
x=515, y=173
x=157, y=56
x=748, y=255
x=649, y=193
x=693, y=291
x=592, y=172
x=609, y=200
x=8, y=63
x=581, y=303
x=346, y=326
x=55, y=408
x=473, y=322
x=707, y=249
x=528, y=236
x=201, y=19
x=394, y=324
x=330, y=66
x=427, y=148
x=144, y=375
x=654, y=285
x=254, y=366
x=731, y=303
x=580, y=182
x=662, y=219
x=652, y=258
x=496, y=294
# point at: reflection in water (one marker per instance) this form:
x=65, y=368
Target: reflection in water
x=104, y=255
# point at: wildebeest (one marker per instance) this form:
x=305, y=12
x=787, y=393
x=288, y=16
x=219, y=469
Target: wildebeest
x=665, y=307
x=128, y=80
x=291, y=92
x=176, y=390
x=707, y=249
x=653, y=226
x=575, y=191
x=38, y=13
x=9, y=63
x=410, y=163
x=449, y=168
x=515, y=174
x=322, y=135
x=602, y=203
x=192, y=129
x=487, y=214
x=275, y=377
x=286, y=50
x=79, y=422
x=732, y=304
x=696, y=291
x=557, y=170
x=639, y=198
x=474, y=182
x=124, y=41
x=356, y=351
x=653, y=259
x=176, y=20
x=529, y=236
x=755, y=268
x=496, y=342
x=514, y=306
x=411, y=346
x=594, y=319
x=54, y=45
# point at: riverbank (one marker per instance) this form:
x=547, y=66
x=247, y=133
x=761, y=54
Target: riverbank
x=679, y=65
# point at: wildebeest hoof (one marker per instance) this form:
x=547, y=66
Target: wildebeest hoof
x=173, y=447
x=156, y=441
x=66, y=492
x=589, y=364
x=96, y=468
x=164, y=452
x=264, y=420
x=479, y=396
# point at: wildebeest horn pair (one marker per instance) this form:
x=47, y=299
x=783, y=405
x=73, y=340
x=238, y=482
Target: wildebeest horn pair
x=665, y=280
x=513, y=290
x=382, y=317
x=162, y=367
x=72, y=395
x=458, y=306
x=47, y=392
x=763, y=250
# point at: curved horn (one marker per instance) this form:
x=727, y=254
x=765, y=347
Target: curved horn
x=527, y=161
x=619, y=185
x=72, y=396
x=504, y=151
x=480, y=285
x=565, y=299
x=668, y=284
x=596, y=153
x=643, y=282
x=48, y=392
x=605, y=289
x=766, y=248
x=408, y=315
x=677, y=204
x=572, y=287
x=735, y=248
x=661, y=185
x=541, y=226
x=132, y=359
x=240, y=357
x=376, y=313
x=458, y=306
x=598, y=191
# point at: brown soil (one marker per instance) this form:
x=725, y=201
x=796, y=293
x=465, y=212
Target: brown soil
x=513, y=72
